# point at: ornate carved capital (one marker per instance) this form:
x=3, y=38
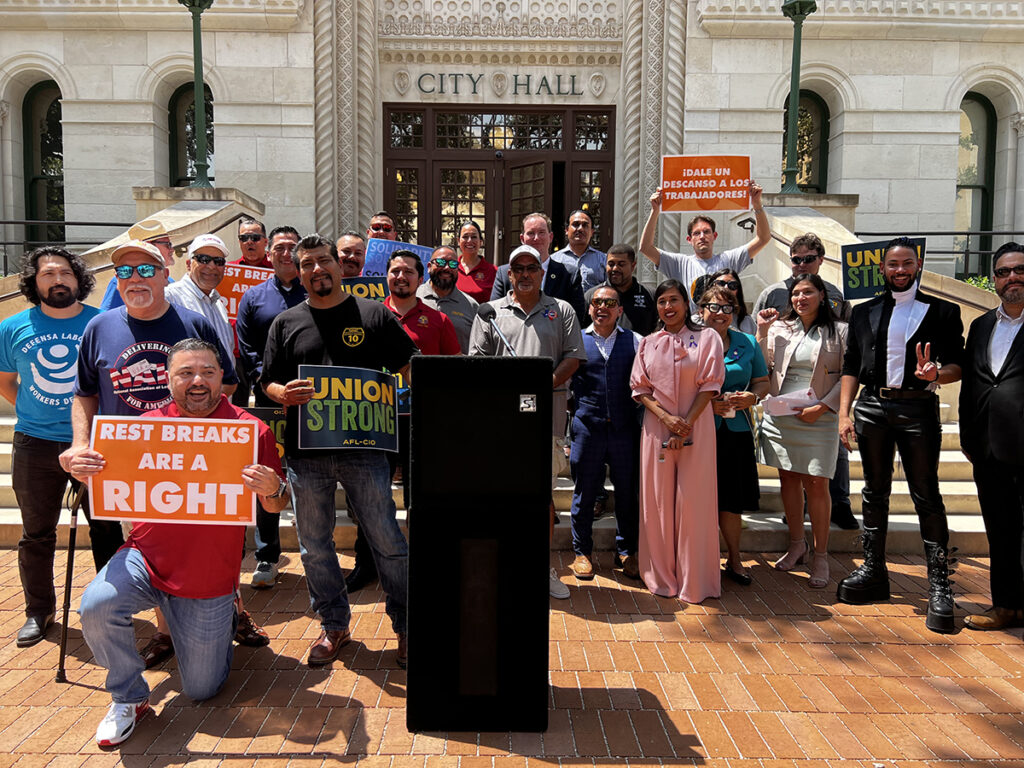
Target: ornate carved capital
x=5, y=109
x=1017, y=121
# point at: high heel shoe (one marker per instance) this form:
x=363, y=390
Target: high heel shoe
x=796, y=554
x=819, y=571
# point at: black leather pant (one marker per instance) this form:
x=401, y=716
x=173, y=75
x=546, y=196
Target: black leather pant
x=913, y=427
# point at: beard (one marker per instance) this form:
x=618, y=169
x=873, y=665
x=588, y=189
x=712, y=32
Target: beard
x=198, y=401
x=60, y=297
x=896, y=289
x=444, y=281
x=1012, y=293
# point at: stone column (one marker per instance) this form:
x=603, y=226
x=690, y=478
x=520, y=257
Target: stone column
x=1016, y=159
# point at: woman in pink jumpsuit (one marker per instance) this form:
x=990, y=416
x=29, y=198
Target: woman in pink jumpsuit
x=676, y=373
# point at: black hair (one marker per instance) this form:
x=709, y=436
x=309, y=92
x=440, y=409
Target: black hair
x=311, y=242
x=353, y=233
x=670, y=285
x=193, y=345
x=405, y=253
x=474, y=225
x=741, y=304
x=579, y=210
x=826, y=317
x=29, y=268
x=282, y=230
x=623, y=249
x=900, y=242
x=1004, y=249
x=250, y=220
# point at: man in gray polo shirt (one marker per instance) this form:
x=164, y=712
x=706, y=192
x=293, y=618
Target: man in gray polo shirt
x=701, y=234
x=441, y=294
x=535, y=324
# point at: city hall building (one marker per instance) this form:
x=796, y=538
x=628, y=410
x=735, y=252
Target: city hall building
x=446, y=110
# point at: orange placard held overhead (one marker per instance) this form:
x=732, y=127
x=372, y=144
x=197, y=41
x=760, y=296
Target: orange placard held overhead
x=705, y=183
x=239, y=278
x=173, y=470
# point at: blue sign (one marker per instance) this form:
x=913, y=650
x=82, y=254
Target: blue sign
x=351, y=408
x=378, y=251
x=373, y=288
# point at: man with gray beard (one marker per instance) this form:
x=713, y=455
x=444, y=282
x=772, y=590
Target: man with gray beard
x=441, y=294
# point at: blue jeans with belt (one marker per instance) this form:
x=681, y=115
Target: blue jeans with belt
x=366, y=478
x=202, y=630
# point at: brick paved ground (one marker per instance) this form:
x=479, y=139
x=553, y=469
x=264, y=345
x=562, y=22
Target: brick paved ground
x=770, y=676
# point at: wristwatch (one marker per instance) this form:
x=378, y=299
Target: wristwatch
x=281, y=488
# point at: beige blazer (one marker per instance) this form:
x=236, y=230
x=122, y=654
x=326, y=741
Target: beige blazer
x=827, y=358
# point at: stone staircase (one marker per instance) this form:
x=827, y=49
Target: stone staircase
x=765, y=530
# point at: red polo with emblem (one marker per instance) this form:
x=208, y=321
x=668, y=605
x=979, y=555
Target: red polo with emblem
x=432, y=331
x=477, y=282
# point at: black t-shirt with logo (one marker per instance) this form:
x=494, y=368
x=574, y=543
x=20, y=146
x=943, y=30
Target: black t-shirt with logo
x=358, y=333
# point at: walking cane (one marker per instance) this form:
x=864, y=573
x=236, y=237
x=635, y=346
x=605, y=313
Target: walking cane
x=72, y=531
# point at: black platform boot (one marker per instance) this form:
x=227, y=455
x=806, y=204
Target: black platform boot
x=869, y=582
x=940, y=590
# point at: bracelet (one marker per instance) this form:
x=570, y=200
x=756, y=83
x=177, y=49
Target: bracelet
x=759, y=210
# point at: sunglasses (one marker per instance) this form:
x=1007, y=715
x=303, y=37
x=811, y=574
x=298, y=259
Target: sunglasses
x=732, y=285
x=725, y=309
x=1005, y=271
x=442, y=263
x=203, y=258
x=521, y=268
x=163, y=241
x=797, y=260
x=250, y=238
x=381, y=227
x=610, y=303
x=124, y=271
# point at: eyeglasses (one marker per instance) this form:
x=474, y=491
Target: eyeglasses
x=725, y=309
x=124, y=271
x=732, y=285
x=1005, y=271
x=252, y=237
x=381, y=227
x=164, y=242
x=203, y=258
x=610, y=303
x=798, y=260
x=519, y=269
x=442, y=263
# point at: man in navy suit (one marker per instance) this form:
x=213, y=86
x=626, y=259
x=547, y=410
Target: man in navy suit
x=558, y=283
x=992, y=435
x=902, y=346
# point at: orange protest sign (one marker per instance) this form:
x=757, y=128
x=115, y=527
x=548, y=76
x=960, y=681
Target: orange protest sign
x=705, y=183
x=173, y=470
x=239, y=278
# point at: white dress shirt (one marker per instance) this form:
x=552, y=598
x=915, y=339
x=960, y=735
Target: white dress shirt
x=1003, y=334
x=906, y=319
x=186, y=293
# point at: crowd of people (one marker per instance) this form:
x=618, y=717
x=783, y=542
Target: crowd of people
x=658, y=392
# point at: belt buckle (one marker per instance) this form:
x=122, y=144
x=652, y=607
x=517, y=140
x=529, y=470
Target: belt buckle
x=886, y=393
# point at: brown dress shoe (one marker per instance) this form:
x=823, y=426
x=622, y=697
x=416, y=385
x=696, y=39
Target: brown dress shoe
x=630, y=566
x=995, y=618
x=403, y=650
x=327, y=646
x=582, y=567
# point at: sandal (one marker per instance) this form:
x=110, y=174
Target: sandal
x=249, y=632
x=796, y=554
x=819, y=571
x=158, y=650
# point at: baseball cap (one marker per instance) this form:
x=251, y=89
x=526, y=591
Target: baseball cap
x=524, y=250
x=208, y=241
x=137, y=246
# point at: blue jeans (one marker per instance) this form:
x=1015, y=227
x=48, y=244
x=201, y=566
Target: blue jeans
x=202, y=630
x=366, y=478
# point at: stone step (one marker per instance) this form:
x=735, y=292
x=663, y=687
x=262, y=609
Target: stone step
x=764, y=531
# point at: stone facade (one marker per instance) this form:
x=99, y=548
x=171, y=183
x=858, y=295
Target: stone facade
x=299, y=87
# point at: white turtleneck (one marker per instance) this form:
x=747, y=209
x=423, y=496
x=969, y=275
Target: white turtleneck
x=906, y=319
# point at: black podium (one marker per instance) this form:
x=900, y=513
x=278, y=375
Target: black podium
x=478, y=544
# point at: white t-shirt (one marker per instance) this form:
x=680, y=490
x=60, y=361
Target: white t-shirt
x=686, y=267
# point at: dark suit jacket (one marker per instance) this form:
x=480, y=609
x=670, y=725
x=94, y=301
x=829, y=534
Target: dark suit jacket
x=869, y=327
x=992, y=404
x=558, y=284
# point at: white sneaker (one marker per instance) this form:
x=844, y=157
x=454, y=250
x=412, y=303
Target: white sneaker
x=265, y=575
x=556, y=587
x=119, y=723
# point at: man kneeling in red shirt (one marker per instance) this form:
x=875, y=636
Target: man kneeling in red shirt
x=190, y=572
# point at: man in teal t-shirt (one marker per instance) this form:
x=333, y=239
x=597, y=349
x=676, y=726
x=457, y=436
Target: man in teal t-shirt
x=38, y=353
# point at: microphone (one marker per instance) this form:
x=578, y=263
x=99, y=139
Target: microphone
x=487, y=313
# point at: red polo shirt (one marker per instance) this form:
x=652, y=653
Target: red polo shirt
x=432, y=331
x=477, y=282
x=265, y=263
x=199, y=561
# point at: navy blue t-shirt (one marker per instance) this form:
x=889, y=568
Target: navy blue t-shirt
x=123, y=360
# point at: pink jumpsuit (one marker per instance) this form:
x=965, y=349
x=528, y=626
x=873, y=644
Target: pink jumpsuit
x=679, y=554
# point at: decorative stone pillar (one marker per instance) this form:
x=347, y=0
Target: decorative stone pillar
x=1017, y=160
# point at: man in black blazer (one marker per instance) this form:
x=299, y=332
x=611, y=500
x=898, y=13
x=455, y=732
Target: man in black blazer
x=992, y=435
x=558, y=283
x=902, y=345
